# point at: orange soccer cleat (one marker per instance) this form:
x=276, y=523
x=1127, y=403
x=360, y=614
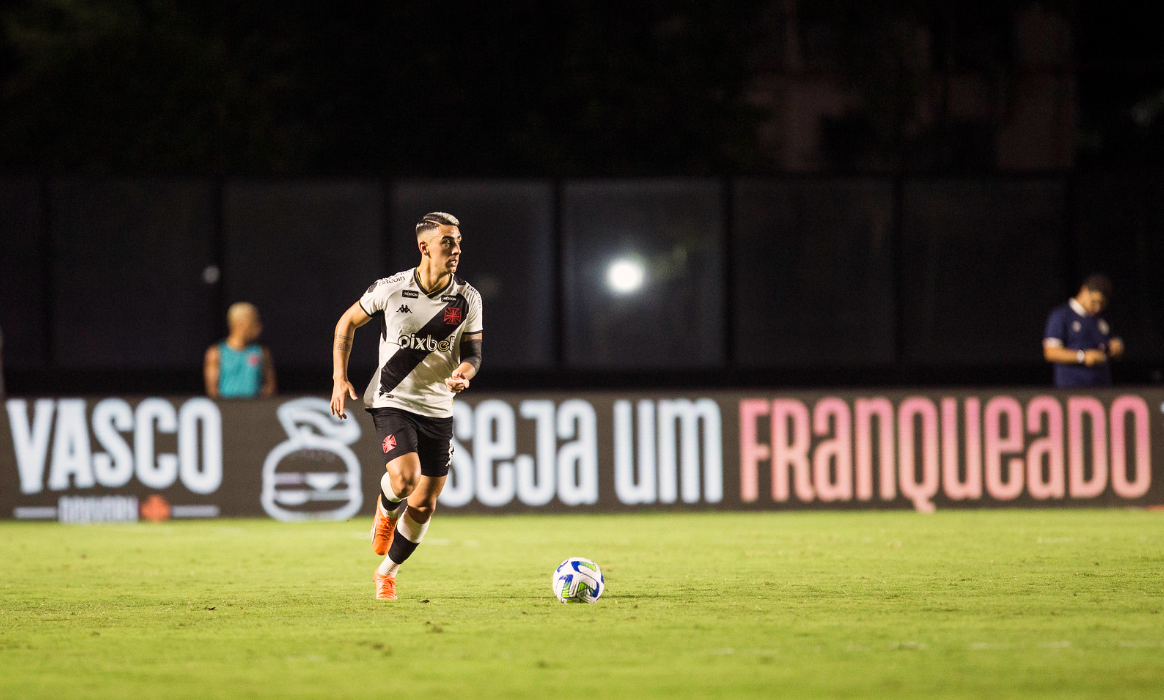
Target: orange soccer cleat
x=383, y=528
x=385, y=586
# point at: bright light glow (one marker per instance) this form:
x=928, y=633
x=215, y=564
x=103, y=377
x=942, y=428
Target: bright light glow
x=625, y=276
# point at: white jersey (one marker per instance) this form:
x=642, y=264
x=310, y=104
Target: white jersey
x=420, y=341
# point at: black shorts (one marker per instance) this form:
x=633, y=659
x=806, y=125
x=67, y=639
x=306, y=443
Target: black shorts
x=401, y=432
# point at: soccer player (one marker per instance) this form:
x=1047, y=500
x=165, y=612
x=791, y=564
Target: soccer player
x=430, y=347
x=238, y=367
x=1077, y=340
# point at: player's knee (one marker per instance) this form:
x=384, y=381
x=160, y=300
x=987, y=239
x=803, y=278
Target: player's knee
x=401, y=482
x=422, y=512
x=406, y=484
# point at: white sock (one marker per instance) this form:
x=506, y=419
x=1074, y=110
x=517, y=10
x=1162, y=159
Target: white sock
x=411, y=531
x=395, y=504
x=394, y=510
x=388, y=567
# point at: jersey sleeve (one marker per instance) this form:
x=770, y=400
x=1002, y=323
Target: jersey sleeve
x=473, y=318
x=376, y=298
x=1055, y=334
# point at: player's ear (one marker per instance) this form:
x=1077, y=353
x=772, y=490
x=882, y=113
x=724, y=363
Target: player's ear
x=423, y=246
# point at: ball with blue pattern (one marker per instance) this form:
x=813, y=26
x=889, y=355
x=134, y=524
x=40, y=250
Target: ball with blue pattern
x=578, y=580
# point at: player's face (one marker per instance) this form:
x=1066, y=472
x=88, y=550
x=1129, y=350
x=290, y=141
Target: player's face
x=1095, y=302
x=247, y=325
x=443, y=247
x=254, y=327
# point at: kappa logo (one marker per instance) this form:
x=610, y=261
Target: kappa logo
x=404, y=309
x=452, y=316
x=410, y=294
x=389, y=443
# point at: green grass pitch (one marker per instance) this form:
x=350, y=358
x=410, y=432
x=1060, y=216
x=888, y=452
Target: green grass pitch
x=705, y=605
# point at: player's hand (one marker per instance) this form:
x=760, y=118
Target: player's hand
x=1094, y=357
x=458, y=382
x=340, y=390
x=1115, y=347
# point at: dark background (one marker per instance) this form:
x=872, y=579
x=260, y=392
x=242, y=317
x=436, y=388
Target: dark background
x=821, y=192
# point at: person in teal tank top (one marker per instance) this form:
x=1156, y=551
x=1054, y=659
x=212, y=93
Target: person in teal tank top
x=238, y=367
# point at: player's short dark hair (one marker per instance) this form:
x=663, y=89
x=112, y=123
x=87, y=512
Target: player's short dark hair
x=1099, y=283
x=433, y=219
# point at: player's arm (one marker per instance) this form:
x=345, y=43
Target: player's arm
x=211, y=369
x=1061, y=355
x=470, y=363
x=269, y=386
x=341, y=350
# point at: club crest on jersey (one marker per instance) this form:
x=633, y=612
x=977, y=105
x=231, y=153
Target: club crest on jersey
x=429, y=343
x=452, y=316
x=389, y=443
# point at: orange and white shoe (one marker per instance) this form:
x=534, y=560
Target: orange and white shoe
x=383, y=527
x=385, y=586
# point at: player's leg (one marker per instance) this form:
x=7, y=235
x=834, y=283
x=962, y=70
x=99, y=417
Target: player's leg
x=434, y=451
x=401, y=473
x=401, y=477
x=398, y=482
x=413, y=524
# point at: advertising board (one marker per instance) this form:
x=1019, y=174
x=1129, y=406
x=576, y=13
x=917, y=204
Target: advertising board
x=110, y=459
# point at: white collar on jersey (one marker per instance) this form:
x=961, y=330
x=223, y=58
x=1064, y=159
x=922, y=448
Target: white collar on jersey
x=1077, y=307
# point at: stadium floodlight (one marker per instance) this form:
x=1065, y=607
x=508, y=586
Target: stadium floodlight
x=625, y=276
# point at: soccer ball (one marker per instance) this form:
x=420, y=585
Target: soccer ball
x=578, y=580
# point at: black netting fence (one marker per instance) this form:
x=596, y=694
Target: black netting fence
x=588, y=275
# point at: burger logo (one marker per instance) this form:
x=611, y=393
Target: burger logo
x=313, y=475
